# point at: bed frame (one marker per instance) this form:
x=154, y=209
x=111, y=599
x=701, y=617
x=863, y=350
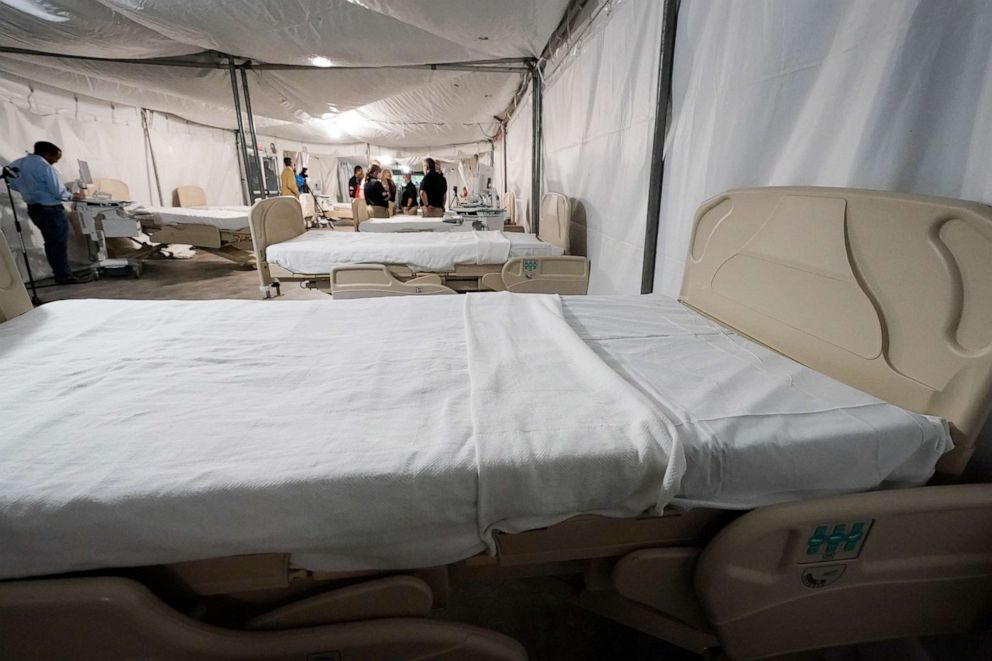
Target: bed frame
x=890, y=293
x=232, y=245
x=280, y=219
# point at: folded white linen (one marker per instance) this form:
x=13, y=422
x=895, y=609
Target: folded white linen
x=224, y=218
x=548, y=415
x=148, y=432
x=315, y=251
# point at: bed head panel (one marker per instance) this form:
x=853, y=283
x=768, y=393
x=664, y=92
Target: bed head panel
x=555, y=220
x=117, y=189
x=14, y=299
x=275, y=220
x=510, y=204
x=190, y=196
x=889, y=293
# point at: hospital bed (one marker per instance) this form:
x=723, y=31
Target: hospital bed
x=774, y=539
x=218, y=230
x=359, y=265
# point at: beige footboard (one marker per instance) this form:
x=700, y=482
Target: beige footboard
x=116, y=618
x=375, y=280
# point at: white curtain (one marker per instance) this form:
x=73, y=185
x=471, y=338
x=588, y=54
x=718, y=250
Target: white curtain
x=893, y=95
x=519, y=160
x=599, y=111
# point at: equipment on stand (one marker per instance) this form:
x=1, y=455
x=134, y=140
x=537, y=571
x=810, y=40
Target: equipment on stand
x=8, y=174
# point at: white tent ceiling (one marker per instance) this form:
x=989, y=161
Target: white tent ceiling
x=389, y=107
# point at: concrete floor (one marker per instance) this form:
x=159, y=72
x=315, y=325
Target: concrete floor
x=550, y=628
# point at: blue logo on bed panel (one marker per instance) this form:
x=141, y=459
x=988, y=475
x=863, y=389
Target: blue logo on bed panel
x=839, y=541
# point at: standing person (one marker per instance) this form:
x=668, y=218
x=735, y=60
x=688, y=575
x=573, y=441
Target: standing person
x=39, y=184
x=388, y=183
x=301, y=180
x=288, y=179
x=376, y=195
x=408, y=196
x=354, y=184
x=433, y=190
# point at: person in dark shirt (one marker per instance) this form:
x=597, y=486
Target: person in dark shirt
x=376, y=195
x=355, y=182
x=408, y=196
x=433, y=190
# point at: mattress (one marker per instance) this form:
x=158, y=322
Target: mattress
x=147, y=432
x=316, y=251
x=151, y=432
x=757, y=427
x=232, y=218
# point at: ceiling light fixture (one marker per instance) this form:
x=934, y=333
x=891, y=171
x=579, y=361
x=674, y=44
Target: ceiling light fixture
x=321, y=61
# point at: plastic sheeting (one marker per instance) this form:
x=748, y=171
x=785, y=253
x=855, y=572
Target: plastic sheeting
x=599, y=111
x=111, y=139
x=388, y=107
x=599, y=106
x=883, y=95
x=519, y=159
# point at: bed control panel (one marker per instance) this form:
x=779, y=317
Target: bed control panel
x=530, y=267
x=835, y=541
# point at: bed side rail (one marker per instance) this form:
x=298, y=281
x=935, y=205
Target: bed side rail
x=274, y=220
x=14, y=299
x=852, y=569
x=566, y=275
x=375, y=280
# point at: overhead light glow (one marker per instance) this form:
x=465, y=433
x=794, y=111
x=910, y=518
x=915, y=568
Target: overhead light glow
x=405, y=169
x=43, y=10
x=328, y=115
x=385, y=161
x=320, y=61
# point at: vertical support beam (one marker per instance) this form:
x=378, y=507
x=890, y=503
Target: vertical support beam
x=505, y=171
x=536, y=98
x=241, y=130
x=657, y=176
x=254, y=138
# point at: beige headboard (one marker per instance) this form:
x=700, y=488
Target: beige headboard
x=890, y=293
x=14, y=299
x=190, y=196
x=555, y=220
x=118, y=189
x=510, y=204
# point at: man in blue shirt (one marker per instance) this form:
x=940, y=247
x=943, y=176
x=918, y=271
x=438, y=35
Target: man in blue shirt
x=42, y=189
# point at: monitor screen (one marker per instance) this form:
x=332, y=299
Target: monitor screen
x=84, y=173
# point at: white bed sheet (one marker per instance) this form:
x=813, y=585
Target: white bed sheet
x=139, y=432
x=757, y=428
x=410, y=223
x=234, y=218
x=316, y=250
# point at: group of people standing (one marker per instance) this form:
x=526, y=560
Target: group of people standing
x=378, y=189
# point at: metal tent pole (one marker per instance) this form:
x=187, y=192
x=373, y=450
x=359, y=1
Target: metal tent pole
x=506, y=122
x=151, y=154
x=241, y=129
x=251, y=129
x=537, y=94
x=657, y=176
